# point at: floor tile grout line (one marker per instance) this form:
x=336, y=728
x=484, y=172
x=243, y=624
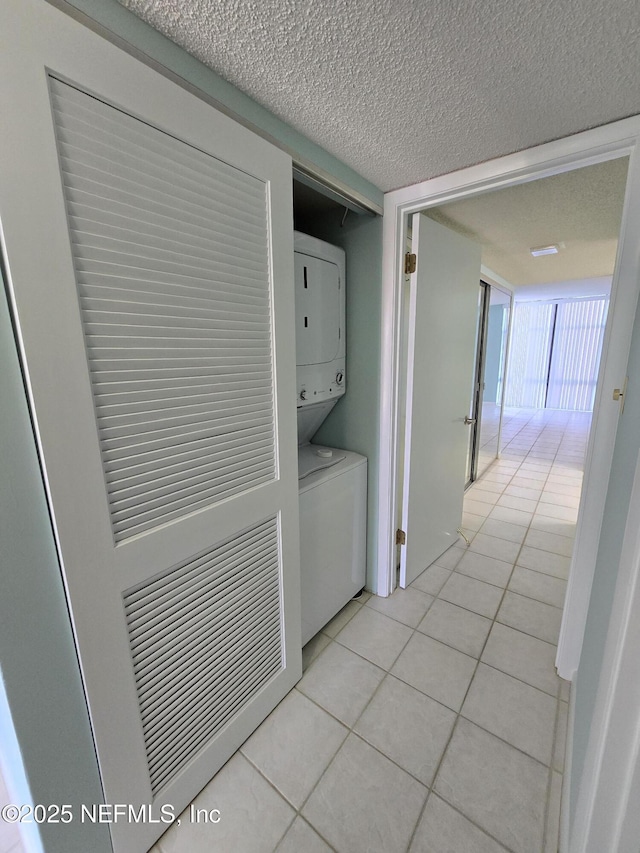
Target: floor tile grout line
x=514, y=542
x=502, y=538
x=395, y=619
x=386, y=671
x=526, y=633
x=431, y=788
x=351, y=729
x=448, y=743
x=506, y=742
x=459, y=715
x=515, y=678
x=550, y=776
x=455, y=808
x=529, y=526
x=298, y=810
x=533, y=598
x=557, y=715
x=432, y=791
x=505, y=588
x=455, y=648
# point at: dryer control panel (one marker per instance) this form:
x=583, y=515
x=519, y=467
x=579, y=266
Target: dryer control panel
x=320, y=319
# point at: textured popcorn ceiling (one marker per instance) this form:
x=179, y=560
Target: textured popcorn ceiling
x=403, y=90
x=581, y=209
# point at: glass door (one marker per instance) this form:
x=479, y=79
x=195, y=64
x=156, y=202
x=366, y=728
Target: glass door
x=493, y=373
x=487, y=394
x=476, y=385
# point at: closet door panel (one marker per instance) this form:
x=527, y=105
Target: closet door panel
x=148, y=248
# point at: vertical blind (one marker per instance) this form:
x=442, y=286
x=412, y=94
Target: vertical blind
x=555, y=354
x=576, y=354
x=529, y=357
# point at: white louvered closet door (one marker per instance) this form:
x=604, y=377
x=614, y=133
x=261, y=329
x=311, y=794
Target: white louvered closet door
x=148, y=245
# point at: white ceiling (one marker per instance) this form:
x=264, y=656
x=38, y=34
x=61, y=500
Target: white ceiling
x=581, y=209
x=403, y=90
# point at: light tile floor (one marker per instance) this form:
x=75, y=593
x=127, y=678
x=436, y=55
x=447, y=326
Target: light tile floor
x=432, y=721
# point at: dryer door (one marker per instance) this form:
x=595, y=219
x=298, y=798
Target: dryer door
x=317, y=284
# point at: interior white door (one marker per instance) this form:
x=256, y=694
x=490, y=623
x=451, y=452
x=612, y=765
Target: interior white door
x=441, y=346
x=149, y=247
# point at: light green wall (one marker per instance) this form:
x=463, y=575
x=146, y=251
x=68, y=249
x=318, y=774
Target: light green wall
x=354, y=423
x=122, y=22
x=37, y=652
x=626, y=451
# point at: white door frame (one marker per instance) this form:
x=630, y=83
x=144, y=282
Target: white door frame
x=606, y=815
x=584, y=149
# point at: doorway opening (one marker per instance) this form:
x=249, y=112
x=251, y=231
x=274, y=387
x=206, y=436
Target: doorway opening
x=610, y=142
x=567, y=286
x=554, y=355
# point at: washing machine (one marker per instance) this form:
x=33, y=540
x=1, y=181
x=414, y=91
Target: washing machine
x=332, y=481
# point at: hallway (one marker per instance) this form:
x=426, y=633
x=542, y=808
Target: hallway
x=432, y=721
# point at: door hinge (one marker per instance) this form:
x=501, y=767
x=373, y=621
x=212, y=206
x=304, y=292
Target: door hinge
x=401, y=537
x=620, y=394
x=409, y=263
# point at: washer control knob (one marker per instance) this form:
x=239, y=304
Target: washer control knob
x=303, y=394
x=324, y=453
x=339, y=377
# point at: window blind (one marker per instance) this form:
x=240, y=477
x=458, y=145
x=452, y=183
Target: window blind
x=576, y=353
x=528, y=365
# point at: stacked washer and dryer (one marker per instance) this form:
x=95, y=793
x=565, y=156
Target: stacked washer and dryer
x=332, y=483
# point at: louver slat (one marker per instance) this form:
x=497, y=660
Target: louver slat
x=227, y=427
x=238, y=699
x=204, y=638
x=159, y=494
x=130, y=405
x=227, y=294
x=155, y=418
x=171, y=254
x=130, y=479
x=160, y=712
x=125, y=142
x=176, y=317
x=175, y=386
x=218, y=706
x=136, y=600
x=198, y=610
x=167, y=434
x=146, y=461
x=124, y=525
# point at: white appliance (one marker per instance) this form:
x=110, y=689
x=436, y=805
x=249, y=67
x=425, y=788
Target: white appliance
x=332, y=482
